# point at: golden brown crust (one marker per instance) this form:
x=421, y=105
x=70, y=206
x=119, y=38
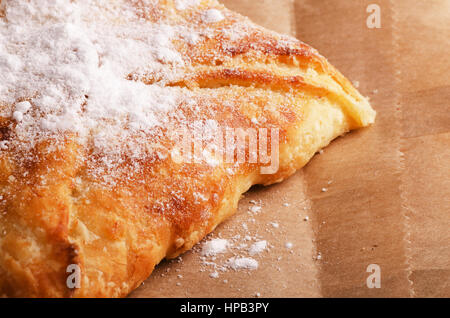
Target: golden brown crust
x=56, y=212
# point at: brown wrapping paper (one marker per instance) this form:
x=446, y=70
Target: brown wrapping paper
x=424, y=87
x=387, y=187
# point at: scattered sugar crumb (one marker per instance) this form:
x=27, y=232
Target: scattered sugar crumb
x=289, y=245
x=238, y=263
x=186, y=4
x=214, y=275
x=275, y=225
x=17, y=116
x=255, y=209
x=214, y=247
x=257, y=248
x=212, y=16
x=23, y=107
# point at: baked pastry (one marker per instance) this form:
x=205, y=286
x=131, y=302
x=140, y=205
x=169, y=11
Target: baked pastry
x=96, y=98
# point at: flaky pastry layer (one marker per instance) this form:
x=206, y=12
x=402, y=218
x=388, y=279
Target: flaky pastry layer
x=56, y=212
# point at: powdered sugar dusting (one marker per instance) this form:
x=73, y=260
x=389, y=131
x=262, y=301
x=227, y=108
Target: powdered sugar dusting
x=102, y=72
x=99, y=71
x=57, y=62
x=64, y=67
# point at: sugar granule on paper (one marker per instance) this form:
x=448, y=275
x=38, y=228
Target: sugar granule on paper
x=214, y=247
x=257, y=247
x=238, y=263
x=214, y=275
